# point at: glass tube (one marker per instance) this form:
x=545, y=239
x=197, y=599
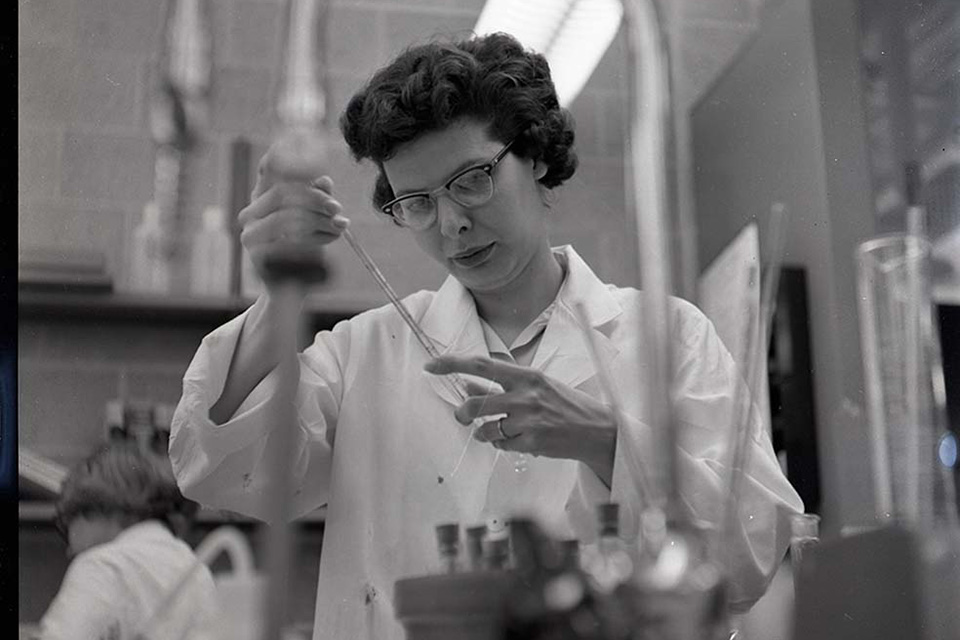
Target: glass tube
x=900, y=358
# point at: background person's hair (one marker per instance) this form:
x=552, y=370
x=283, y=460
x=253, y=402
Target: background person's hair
x=491, y=79
x=121, y=481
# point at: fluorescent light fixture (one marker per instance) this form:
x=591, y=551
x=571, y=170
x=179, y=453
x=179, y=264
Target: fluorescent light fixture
x=572, y=34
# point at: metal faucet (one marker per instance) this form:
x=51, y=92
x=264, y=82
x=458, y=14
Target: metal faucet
x=679, y=589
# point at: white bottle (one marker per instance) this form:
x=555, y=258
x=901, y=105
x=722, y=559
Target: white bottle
x=212, y=256
x=149, y=272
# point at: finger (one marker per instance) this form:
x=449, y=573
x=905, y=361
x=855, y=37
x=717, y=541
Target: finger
x=522, y=443
x=288, y=225
x=486, y=405
x=474, y=388
x=323, y=183
x=503, y=372
x=287, y=196
x=264, y=180
x=493, y=431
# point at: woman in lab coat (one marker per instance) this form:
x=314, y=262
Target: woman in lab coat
x=468, y=137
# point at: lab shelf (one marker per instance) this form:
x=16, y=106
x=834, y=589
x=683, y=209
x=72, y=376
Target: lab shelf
x=43, y=512
x=57, y=303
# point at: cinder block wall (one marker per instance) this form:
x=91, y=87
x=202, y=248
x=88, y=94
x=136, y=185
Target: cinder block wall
x=86, y=170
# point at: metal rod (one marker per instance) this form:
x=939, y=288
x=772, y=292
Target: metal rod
x=649, y=196
x=279, y=453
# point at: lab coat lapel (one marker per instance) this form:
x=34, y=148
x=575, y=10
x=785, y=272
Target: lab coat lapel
x=564, y=356
x=451, y=322
x=563, y=353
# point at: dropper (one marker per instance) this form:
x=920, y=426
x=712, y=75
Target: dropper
x=457, y=383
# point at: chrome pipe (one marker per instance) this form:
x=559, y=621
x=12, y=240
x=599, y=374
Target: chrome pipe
x=650, y=197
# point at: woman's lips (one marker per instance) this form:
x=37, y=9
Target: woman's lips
x=474, y=258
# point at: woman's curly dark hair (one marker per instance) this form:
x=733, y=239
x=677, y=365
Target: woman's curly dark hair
x=491, y=79
x=124, y=482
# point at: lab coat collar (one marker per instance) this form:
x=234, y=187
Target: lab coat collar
x=451, y=321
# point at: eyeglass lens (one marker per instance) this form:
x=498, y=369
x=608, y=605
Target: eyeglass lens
x=470, y=189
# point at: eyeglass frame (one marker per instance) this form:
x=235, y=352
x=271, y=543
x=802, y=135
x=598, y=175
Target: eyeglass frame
x=444, y=189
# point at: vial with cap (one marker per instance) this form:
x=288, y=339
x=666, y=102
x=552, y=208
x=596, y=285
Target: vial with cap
x=608, y=564
x=475, y=537
x=448, y=543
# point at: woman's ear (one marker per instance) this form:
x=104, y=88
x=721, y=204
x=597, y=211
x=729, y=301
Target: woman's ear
x=540, y=169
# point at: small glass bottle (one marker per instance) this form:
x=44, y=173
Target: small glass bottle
x=475, y=537
x=609, y=564
x=212, y=259
x=147, y=268
x=115, y=429
x=140, y=427
x=496, y=553
x=448, y=544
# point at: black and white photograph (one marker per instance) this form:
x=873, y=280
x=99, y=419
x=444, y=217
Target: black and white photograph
x=484, y=320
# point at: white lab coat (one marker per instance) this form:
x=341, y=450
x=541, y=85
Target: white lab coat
x=111, y=590
x=377, y=435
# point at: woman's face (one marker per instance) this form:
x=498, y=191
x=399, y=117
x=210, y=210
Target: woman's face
x=487, y=248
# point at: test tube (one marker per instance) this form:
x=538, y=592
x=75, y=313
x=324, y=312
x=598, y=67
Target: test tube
x=448, y=543
x=496, y=553
x=475, y=537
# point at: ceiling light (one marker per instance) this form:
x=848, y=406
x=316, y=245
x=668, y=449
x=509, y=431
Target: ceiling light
x=572, y=34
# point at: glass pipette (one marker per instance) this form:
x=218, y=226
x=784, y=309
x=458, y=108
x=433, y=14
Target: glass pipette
x=756, y=341
x=454, y=380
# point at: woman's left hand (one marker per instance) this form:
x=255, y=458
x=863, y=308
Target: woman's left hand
x=543, y=417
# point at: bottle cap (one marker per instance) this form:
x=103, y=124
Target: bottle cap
x=477, y=532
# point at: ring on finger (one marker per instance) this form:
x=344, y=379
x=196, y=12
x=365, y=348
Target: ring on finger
x=503, y=435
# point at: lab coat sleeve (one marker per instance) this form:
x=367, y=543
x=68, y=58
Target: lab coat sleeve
x=704, y=390
x=223, y=466
x=90, y=603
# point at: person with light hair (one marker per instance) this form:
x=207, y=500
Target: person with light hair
x=120, y=512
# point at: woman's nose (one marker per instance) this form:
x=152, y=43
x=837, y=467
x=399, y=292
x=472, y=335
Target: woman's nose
x=452, y=218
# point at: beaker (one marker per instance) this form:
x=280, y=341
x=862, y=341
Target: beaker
x=903, y=381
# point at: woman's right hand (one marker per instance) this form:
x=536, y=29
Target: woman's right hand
x=287, y=213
